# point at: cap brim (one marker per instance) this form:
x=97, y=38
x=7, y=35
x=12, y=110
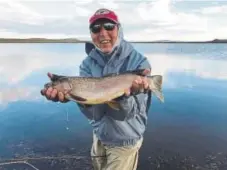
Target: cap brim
x=100, y=18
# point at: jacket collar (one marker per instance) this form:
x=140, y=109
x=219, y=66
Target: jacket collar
x=119, y=53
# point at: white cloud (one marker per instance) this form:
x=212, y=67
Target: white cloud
x=156, y=11
x=109, y=4
x=162, y=18
x=14, y=11
x=82, y=11
x=215, y=10
x=84, y=2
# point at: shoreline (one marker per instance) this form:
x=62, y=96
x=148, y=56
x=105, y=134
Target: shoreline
x=72, y=40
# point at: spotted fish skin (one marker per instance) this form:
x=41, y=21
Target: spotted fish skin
x=98, y=90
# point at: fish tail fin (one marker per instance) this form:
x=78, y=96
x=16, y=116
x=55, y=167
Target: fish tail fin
x=156, y=86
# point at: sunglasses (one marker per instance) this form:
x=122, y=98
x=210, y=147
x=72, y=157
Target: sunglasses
x=96, y=28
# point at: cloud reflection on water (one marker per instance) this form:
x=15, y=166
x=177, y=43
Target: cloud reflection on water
x=18, y=62
x=22, y=64
x=21, y=93
x=204, y=68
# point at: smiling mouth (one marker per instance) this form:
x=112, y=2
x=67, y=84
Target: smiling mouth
x=104, y=41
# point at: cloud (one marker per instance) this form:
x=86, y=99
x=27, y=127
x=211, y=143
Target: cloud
x=168, y=23
x=109, y=4
x=160, y=8
x=11, y=9
x=163, y=19
x=42, y=19
x=215, y=10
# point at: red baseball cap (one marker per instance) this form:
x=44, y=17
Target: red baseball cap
x=103, y=13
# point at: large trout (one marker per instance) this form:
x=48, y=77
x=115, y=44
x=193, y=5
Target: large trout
x=98, y=90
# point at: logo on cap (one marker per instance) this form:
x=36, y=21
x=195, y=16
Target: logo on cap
x=102, y=11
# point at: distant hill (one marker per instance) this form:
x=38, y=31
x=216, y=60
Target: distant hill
x=219, y=41
x=75, y=40
x=38, y=40
x=169, y=41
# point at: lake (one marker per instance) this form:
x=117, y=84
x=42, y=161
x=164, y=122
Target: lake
x=188, y=131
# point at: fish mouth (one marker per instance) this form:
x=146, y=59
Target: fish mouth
x=47, y=85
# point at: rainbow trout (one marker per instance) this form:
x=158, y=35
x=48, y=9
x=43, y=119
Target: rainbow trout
x=98, y=90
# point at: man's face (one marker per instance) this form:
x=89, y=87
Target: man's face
x=104, y=34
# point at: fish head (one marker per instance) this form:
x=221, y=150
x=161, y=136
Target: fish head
x=61, y=85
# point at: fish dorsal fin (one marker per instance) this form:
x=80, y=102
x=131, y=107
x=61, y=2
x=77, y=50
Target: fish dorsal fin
x=139, y=72
x=111, y=74
x=56, y=77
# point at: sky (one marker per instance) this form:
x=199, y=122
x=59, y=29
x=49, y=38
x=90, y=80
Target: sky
x=142, y=20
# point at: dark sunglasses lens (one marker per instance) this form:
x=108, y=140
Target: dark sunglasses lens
x=96, y=28
x=109, y=26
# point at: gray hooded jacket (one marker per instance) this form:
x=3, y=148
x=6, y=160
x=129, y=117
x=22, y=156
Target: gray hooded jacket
x=127, y=125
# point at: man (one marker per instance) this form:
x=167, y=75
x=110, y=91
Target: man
x=117, y=134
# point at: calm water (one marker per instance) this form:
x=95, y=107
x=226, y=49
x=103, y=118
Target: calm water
x=191, y=122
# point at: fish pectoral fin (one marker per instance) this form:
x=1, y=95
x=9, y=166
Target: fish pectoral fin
x=77, y=98
x=114, y=105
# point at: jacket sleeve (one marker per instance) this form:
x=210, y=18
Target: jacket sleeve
x=133, y=105
x=90, y=111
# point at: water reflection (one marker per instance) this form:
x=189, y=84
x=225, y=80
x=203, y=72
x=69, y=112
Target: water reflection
x=23, y=67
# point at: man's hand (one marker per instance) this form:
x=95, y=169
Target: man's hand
x=53, y=94
x=140, y=84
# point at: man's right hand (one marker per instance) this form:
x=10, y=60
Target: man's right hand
x=53, y=94
x=139, y=84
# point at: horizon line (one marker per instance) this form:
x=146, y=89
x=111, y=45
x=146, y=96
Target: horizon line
x=76, y=40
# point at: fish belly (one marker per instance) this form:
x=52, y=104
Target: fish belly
x=103, y=90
